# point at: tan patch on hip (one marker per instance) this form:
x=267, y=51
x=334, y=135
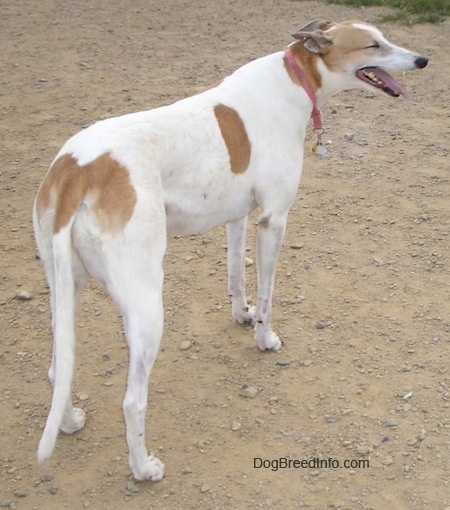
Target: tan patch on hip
x=235, y=137
x=104, y=181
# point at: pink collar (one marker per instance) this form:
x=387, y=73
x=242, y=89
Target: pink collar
x=306, y=84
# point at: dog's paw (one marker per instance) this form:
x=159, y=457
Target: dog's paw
x=268, y=341
x=245, y=316
x=74, y=421
x=154, y=470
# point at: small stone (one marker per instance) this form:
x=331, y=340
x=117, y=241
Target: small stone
x=390, y=424
x=20, y=493
x=83, y=396
x=333, y=418
x=297, y=246
x=5, y=504
x=408, y=395
x=387, y=461
x=248, y=391
x=131, y=487
x=362, y=450
x=46, y=478
x=321, y=325
x=284, y=361
x=248, y=262
x=377, y=261
x=23, y=295
x=106, y=356
x=53, y=490
x=235, y=426
x=184, y=346
x=204, y=488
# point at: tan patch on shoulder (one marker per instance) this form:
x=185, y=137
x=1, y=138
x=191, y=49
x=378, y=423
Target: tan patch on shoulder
x=105, y=181
x=235, y=137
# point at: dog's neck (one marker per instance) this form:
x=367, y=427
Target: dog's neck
x=306, y=84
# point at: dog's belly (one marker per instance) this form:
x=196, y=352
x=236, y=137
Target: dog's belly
x=201, y=212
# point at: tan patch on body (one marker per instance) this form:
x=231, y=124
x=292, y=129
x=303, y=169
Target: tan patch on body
x=307, y=62
x=104, y=181
x=235, y=137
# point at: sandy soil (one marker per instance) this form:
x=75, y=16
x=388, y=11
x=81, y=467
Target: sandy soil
x=362, y=295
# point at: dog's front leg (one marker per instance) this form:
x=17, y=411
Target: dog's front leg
x=271, y=230
x=236, y=238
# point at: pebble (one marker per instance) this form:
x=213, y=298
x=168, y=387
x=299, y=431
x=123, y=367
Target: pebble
x=321, y=325
x=377, y=261
x=46, y=478
x=332, y=418
x=248, y=262
x=20, y=493
x=284, y=361
x=235, y=426
x=204, y=488
x=248, y=391
x=297, y=246
x=131, y=487
x=387, y=461
x=82, y=396
x=23, y=295
x=184, y=346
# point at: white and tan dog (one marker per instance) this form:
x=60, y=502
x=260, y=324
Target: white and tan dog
x=117, y=189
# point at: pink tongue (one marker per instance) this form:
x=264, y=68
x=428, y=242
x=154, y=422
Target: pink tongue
x=389, y=81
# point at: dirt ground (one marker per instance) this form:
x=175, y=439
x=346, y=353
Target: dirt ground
x=361, y=300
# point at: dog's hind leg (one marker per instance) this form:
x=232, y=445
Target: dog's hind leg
x=236, y=238
x=134, y=278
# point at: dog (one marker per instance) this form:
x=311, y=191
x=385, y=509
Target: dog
x=119, y=188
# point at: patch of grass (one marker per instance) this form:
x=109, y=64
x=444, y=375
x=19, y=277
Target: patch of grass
x=407, y=11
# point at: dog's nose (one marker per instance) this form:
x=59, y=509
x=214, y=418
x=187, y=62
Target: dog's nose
x=421, y=62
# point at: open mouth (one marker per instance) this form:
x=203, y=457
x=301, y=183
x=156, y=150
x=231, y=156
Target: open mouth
x=382, y=80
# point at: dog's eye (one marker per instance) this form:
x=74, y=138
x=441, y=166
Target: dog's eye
x=374, y=45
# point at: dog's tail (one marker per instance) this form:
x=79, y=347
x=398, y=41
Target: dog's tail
x=63, y=320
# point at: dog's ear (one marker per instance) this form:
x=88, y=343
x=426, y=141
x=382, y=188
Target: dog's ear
x=313, y=37
x=318, y=24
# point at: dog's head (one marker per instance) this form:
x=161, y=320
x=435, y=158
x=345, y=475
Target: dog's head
x=354, y=54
